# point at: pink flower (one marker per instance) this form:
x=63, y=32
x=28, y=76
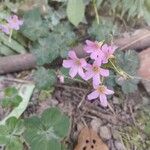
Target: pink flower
x=75, y=64
x=61, y=78
x=94, y=48
x=5, y=28
x=100, y=91
x=14, y=22
x=95, y=71
x=108, y=52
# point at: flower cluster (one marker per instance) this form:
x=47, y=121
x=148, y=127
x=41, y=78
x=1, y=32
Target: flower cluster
x=13, y=23
x=100, y=54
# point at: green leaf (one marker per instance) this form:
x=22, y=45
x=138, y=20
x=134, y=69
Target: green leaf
x=11, y=99
x=5, y=50
x=44, y=78
x=25, y=91
x=48, y=131
x=10, y=135
x=147, y=128
x=47, y=49
x=75, y=11
x=14, y=45
x=33, y=26
x=128, y=61
x=106, y=29
x=128, y=85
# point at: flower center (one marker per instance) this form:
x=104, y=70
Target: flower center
x=98, y=44
x=96, y=69
x=77, y=62
x=101, y=89
x=111, y=56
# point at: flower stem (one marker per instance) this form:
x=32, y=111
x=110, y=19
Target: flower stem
x=96, y=11
x=120, y=71
x=10, y=35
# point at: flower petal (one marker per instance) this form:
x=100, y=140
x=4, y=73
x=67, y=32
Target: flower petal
x=88, y=74
x=109, y=92
x=73, y=72
x=103, y=100
x=93, y=95
x=72, y=55
x=96, y=80
x=67, y=63
x=83, y=62
x=104, y=72
x=81, y=73
x=94, y=55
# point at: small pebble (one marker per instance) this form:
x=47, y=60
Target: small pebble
x=105, y=133
x=96, y=123
x=119, y=146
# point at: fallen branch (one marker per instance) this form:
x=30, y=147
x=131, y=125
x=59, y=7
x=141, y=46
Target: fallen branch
x=138, y=40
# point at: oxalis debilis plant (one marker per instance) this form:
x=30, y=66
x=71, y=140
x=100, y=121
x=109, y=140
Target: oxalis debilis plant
x=102, y=56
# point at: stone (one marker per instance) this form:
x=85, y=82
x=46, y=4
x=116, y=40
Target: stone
x=147, y=86
x=96, y=123
x=119, y=146
x=105, y=133
x=144, y=70
x=116, y=100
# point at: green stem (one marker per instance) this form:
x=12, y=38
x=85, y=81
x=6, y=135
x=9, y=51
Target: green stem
x=96, y=11
x=11, y=31
x=120, y=71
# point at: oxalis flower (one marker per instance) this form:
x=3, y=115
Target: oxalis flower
x=94, y=49
x=108, y=52
x=75, y=64
x=14, y=22
x=94, y=71
x=100, y=92
x=5, y=28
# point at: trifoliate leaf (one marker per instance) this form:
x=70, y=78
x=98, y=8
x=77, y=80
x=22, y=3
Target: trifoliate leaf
x=128, y=61
x=128, y=85
x=102, y=31
x=44, y=78
x=48, y=131
x=33, y=26
x=10, y=134
x=11, y=99
x=75, y=11
x=56, y=44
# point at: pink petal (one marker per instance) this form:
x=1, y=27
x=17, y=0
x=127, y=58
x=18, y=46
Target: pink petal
x=93, y=95
x=89, y=74
x=81, y=73
x=73, y=72
x=67, y=63
x=89, y=43
x=97, y=62
x=72, y=55
x=104, y=72
x=94, y=55
x=105, y=48
x=96, y=80
x=109, y=92
x=112, y=49
x=103, y=100
x=83, y=62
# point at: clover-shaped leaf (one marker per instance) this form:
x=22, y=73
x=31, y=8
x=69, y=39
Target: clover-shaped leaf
x=102, y=31
x=33, y=26
x=12, y=98
x=128, y=61
x=10, y=134
x=48, y=131
x=44, y=78
x=47, y=49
